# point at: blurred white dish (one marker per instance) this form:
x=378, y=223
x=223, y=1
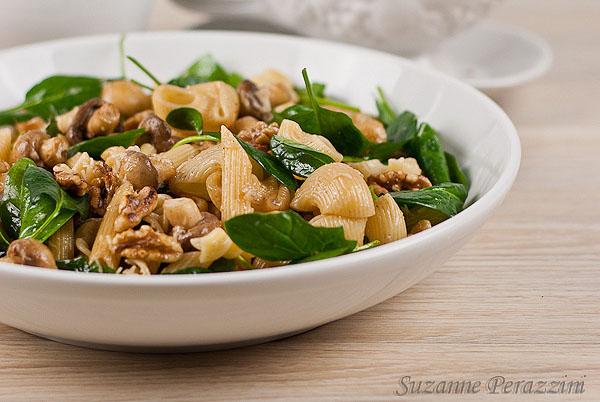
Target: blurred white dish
x=183, y=312
x=405, y=27
x=26, y=21
x=492, y=57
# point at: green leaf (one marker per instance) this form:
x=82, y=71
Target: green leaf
x=186, y=118
x=413, y=215
x=220, y=265
x=386, y=113
x=367, y=246
x=403, y=128
x=383, y=151
x=270, y=164
x=456, y=175
x=285, y=236
x=318, y=90
x=81, y=264
x=96, y=146
x=52, y=129
x=13, y=197
x=428, y=151
x=206, y=69
x=337, y=127
x=11, y=118
x=298, y=158
x=447, y=198
x=46, y=205
x=57, y=95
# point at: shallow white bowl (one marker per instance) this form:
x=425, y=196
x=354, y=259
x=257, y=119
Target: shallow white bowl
x=229, y=309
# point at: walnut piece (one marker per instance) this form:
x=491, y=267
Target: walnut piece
x=208, y=222
x=134, y=207
x=70, y=180
x=102, y=188
x=54, y=150
x=397, y=181
x=146, y=244
x=36, y=123
x=260, y=136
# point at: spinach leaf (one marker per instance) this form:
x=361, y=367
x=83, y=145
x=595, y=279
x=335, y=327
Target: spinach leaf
x=318, y=90
x=403, y=128
x=337, y=127
x=285, y=236
x=383, y=151
x=428, y=151
x=415, y=214
x=456, y=175
x=81, y=264
x=144, y=70
x=96, y=146
x=270, y=164
x=190, y=119
x=10, y=118
x=206, y=69
x=52, y=129
x=46, y=205
x=4, y=241
x=386, y=113
x=13, y=197
x=57, y=94
x=447, y=198
x=186, y=118
x=298, y=158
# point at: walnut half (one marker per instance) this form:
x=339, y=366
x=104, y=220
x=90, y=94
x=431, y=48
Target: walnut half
x=260, y=136
x=70, y=180
x=397, y=181
x=135, y=207
x=146, y=244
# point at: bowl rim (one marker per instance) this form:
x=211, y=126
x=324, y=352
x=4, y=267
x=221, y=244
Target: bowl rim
x=335, y=265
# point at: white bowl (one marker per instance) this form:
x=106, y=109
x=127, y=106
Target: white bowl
x=229, y=309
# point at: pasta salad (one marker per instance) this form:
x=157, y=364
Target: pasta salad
x=211, y=172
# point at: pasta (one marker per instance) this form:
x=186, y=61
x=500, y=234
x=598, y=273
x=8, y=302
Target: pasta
x=211, y=173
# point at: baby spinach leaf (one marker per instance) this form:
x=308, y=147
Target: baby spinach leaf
x=403, y=128
x=10, y=118
x=186, y=118
x=13, y=197
x=428, y=151
x=318, y=90
x=270, y=164
x=337, y=127
x=386, y=113
x=58, y=94
x=96, y=146
x=285, y=236
x=298, y=158
x=190, y=119
x=52, y=129
x=415, y=214
x=383, y=151
x=46, y=205
x=206, y=69
x=4, y=241
x=456, y=175
x=81, y=264
x=447, y=198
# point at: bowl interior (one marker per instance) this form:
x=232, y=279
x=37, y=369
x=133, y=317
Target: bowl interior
x=469, y=124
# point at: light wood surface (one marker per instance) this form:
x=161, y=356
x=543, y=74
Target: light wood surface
x=521, y=300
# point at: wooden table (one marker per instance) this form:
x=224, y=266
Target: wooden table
x=522, y=300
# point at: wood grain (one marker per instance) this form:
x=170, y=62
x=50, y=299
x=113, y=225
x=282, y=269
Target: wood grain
x=521, y=300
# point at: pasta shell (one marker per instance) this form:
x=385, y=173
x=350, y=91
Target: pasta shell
x=291, y=130
x=354, y=228
x=191, y=175
x=387, y=225
x=335, y=189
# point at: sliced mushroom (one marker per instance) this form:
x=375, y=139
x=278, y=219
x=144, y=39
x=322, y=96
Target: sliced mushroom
x=253, y=101
x=31, y=252
x=136, y=168
x=207, y=223
x=94, y=118
x=159, y=131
